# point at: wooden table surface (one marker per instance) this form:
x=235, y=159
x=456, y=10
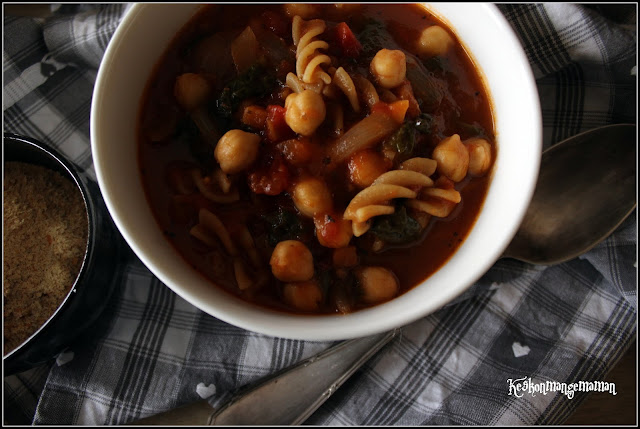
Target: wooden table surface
x=607, y=409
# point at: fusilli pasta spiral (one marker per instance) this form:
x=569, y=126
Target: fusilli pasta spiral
x=296, y=85
x=308, y=56
x=366, y=89
x=375, y=200
x=343, y=80
x=436, y=201
x=204, y=185
x=210, y=229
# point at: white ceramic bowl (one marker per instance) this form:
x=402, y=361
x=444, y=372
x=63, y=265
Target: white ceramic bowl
x=136, y=46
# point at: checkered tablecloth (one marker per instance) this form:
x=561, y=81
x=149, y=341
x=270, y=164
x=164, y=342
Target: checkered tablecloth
x=564, y=324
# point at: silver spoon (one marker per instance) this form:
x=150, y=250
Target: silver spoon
x=586, y=188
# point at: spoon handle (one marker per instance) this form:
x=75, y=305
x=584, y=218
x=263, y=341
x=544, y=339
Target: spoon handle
x=292, y=395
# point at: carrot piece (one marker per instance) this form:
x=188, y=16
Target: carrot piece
x=398, y=110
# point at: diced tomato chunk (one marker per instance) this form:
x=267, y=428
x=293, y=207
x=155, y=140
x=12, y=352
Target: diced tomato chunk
x=254, y=116
x=271, y=177
x=296, y=151
x=347, y=41
x=332, y=230
x=276, y=128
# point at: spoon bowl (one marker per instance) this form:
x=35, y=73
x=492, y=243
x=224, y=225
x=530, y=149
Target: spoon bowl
x=586, y=188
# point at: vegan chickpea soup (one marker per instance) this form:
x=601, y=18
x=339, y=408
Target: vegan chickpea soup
x=316, y=158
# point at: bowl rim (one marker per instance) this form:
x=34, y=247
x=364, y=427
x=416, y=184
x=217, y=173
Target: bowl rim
x=320, y=327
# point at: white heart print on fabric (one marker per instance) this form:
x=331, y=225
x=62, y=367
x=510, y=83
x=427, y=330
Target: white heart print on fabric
x=205, y=391
x=519, y=350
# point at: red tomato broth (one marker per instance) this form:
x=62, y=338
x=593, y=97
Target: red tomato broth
x=466, y=102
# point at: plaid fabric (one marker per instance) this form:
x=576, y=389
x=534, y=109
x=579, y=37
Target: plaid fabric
x=566, y=323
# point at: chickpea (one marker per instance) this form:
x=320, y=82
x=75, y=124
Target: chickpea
x=479, y=156
x=305, y=296
x=236, y=150
x=304, y=11
x=312, y=196
x=434, y=41
x=345, y=9
x=377, y=284
x=389, y=68
x=291, y=261
x=452, y=157
x=365, y=166
x=305, y=111
x=191, y=90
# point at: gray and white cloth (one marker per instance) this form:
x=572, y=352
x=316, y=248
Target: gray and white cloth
x=533, y=325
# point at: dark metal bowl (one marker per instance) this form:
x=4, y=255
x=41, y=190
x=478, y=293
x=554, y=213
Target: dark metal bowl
x=95, y=283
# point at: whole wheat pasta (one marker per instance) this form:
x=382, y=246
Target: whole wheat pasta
x=210, y=225
x=247, y=243
x=438, y=209
x=222, y=179
x=376, y=195
x=336, y=118
x=375, y=200
x=426, y=166
x=359, y=228
x=243, y=279
x=308, y=56
x=331, y=91
x=210, y=229
x=206, y=190
x=450, y=195
x=366, y=90
x=436, y=201
x=404, y=178
x=365, y=213
x=296, y=85
x=343, y=81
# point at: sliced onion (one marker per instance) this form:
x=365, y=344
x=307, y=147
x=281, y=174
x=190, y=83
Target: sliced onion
x=245, y=50
x=362, y=135
x=206, y=126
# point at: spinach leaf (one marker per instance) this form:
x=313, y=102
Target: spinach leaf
x=256, y=81
x=373, y=37
x=473, y=129
x=424, y=123
x=396, y=228
x=403, y=141
x=283, y=225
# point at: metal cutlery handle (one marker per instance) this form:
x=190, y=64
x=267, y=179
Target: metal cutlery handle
x=287, y=397
x=292, y=395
